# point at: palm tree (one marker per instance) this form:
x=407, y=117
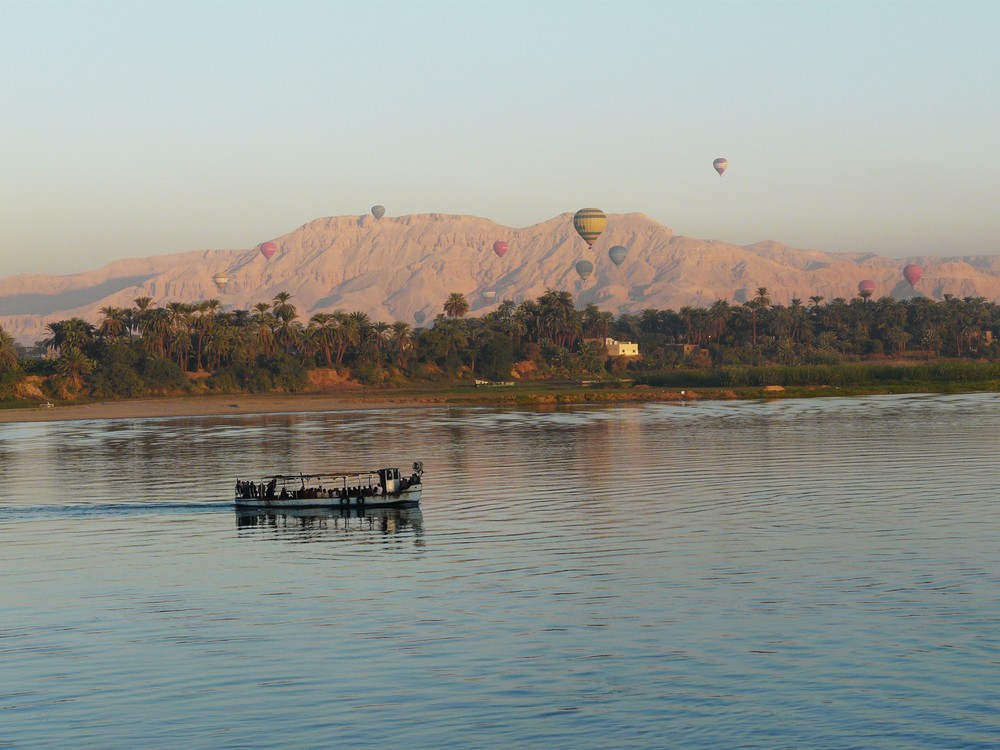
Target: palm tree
x=285, y=329
x=307, y=342
x=649, y=319
x=596, y=322
x=154, y=325
x=898, y=339
x=222, y=343
x=456, y=306
x=74, y=365
x=718, y=318
x=206, y=313
x=8, y=352
x=760, y=302
x=283, y=309
x=528, y=317
x=179, y=317
x=505, y=310
x=135, y=316
x=324, y=325
x=451, y=333
x=262, y=324
x=931, y=341
x=559, y=319
x=381, y=331
x=113, y=324
x=401, y=339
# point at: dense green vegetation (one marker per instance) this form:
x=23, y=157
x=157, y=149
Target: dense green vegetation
x=147, y=349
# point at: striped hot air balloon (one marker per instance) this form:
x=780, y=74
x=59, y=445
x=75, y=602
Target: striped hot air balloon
x=589, y=223
x=378, y=211
x=866, y=288
x=220, y=279
x=720, y=165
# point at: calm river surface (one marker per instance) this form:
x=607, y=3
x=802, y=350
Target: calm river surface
x=819, y=573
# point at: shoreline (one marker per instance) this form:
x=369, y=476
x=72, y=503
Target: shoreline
x=203, y=405
x=199, y=406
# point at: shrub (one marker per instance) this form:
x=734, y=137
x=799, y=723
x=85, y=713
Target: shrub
x=162, y=375
x=116, y=374
x=286, y=373
x=243, y=377
x=496, y=359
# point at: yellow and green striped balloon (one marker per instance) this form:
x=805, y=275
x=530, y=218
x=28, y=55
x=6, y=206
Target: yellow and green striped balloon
x=589, y=223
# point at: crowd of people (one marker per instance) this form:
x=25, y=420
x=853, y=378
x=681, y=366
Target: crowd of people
x=269, y=491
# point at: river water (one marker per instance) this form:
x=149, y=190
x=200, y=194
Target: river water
x=803, y=573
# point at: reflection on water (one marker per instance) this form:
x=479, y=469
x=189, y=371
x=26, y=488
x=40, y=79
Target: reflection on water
x=319, y=524
x=815, y=573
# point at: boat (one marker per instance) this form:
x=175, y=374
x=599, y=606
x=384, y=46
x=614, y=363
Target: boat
x=376, y=488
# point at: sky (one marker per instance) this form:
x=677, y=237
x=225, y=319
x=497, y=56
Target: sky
x=141, y=128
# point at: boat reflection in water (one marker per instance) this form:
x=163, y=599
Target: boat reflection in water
x=325, y=524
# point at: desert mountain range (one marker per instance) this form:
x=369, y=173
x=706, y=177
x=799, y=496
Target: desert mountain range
x=396, y=266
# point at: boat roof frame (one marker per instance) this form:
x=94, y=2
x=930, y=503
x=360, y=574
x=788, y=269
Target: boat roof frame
x=329, y=475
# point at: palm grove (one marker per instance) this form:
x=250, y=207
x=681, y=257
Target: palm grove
x=149, y=349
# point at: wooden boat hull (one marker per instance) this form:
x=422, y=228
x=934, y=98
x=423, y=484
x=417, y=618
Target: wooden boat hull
x=409, y=496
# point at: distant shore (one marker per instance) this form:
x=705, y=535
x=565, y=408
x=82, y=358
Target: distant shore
x=538, y=395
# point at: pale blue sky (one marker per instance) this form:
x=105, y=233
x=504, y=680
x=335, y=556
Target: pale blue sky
x=139, y=128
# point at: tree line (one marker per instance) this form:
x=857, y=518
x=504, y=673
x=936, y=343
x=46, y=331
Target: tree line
x=146, y=349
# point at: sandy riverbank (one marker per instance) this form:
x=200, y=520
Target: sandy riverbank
x=538, y=396
x=207, y=405
x=193, y=406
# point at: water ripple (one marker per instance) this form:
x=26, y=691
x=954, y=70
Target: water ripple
x=773, y=574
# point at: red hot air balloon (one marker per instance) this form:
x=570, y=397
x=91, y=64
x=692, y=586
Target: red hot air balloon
x=500, y=247
x=268, y=249
x=866, y=287
x=912, y=273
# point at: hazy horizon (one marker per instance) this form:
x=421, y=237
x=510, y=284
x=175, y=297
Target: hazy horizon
x=139, y=129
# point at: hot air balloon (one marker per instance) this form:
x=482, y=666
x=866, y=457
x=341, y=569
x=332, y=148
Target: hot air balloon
x=584, y=268
x=489, y=294
x=268, y=249
x=220, y=280
x=589, y=223
x=419, y=316
x=378, y=211
x=617, y=254
x=500, y=247
x=912, y=273
x=866, y=287
x=720, y=165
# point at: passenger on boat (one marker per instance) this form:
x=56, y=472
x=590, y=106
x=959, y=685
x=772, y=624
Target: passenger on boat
x=284, y=494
